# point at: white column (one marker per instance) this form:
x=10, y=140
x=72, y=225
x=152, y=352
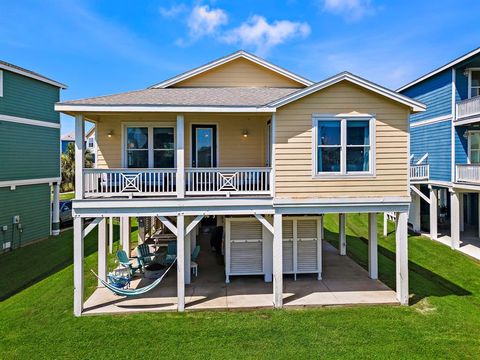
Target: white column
x=372, y=246
x=180, y=262
x=342, y=235
x=401, y=236
x=455, y=219
x=273, y=126
x=433, y=213
x=415, y=214
x=322, y=228
x=385, y=224
x=102, y=250
x=188, y=257
x=79, y=155
x=125, y=234
x=277, y=261
x=478, y=198
x=180, y=156
x=110, y=235
x=56, y=210
x=461, y=197
x=78, y=266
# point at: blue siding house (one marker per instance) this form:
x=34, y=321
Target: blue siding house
x=445, y=152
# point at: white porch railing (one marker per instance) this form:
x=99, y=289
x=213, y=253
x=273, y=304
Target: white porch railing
x=468, y=107
x=468, y=173
x=226, y=181
x=129, y=182
x=419, y=172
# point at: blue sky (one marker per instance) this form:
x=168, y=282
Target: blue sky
x=104, y=47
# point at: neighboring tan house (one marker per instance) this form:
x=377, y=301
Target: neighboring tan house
x=445, y=153
x=29, y=155
x=265, y=151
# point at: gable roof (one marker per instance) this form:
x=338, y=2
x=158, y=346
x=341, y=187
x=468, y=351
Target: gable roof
x=441, y=68
x=236, y=55
x=415, y=106
x=31, y=74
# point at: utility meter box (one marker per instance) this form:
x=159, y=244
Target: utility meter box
x=16, y=219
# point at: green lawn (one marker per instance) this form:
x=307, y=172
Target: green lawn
x=67, y=195
x=443, y=322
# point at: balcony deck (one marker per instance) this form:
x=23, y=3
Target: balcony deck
x=419, y=173
x=468, y=174
x=468, y=111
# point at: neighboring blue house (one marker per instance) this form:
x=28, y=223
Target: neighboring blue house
x=67, y=139
x=445, y=151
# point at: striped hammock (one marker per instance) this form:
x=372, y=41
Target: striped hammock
x=134, y=292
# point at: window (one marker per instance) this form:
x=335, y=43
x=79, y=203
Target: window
x=474, y=83
x=90, y=142
x=343, y=146
x=474, y=147
x=150, y=147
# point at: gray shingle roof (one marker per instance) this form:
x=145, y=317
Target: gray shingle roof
x=226, y=96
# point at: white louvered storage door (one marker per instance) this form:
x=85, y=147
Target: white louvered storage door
x=246, y=247
x=287, y=233
x=307, y=246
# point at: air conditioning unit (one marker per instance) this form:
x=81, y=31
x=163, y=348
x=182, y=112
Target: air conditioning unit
x=7, y=245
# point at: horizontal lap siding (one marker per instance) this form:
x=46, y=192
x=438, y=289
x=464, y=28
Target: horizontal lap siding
x=32, y=204
x=461, y=145
x=294, y=158
x=239, y=72
x=28, y=151
x=434, y=139
x=28, y=98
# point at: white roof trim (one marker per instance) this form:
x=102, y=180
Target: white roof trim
x=440, y=69
x=33, y=76
x=414, y=105
x=182, y=109
x=228, y=58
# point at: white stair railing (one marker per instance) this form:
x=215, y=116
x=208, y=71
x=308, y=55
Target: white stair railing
x=419, y=172
x=468, y=173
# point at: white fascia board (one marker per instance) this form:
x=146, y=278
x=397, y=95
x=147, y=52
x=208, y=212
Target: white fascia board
x=9, y=183
x=440, y=69
x=414, y=105
x=26, y=121
x=33, y=76
x=181, y=109
x=228, y=58
x=431, y=121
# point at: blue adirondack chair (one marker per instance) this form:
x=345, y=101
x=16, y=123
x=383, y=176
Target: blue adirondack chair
x=195, y=253
x=127, y=263
x=171, y=254
x=144, y=256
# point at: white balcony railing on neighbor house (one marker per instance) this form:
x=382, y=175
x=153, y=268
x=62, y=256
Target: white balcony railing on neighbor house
x=468, y=107
x=241, y=181
x=419, y=172
x=468, y=173
x=129, y=182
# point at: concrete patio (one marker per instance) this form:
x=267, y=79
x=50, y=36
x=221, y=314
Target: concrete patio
x=344, y=283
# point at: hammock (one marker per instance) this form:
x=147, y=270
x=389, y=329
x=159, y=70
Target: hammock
x=134, y=292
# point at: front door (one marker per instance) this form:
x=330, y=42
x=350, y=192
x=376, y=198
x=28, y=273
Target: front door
x=204, y=146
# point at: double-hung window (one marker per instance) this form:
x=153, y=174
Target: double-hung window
x=474, y=80
x=150, y=147
x=343, y=145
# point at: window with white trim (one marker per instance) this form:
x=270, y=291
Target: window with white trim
x=343, y=145
x=474, y=83
x=150, y=147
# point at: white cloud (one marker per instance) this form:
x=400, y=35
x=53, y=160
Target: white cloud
x=258, y=33
x=173, y=11
x=351, y=10
x=205, y=21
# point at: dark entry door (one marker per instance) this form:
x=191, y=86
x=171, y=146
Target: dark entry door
x=204, y=146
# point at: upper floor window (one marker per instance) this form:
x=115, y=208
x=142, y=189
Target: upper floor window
x=474, y=83
x=343, y=145
x=150, y=147
x=90, y=142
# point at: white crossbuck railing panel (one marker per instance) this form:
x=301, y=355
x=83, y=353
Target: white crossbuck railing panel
x=227, y=181
x=469, y=107
x=468, y=173
x=129, y=182
x=419, y=172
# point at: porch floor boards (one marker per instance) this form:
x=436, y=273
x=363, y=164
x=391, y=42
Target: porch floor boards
x=469, y=241
x=344, y=283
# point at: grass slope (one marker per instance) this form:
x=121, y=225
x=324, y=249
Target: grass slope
x=443, y=322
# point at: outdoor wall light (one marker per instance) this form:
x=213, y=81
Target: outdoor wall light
x=110, y=133
x=245, y=133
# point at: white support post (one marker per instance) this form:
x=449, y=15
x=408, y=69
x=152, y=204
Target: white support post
x=79, y=155
x=455, y=219
x=433, y=213
x=78, y=254
x=478, y=198
x=56, y=210
x=322, y=228
x=415, y=215
x=273, y=130
x=342, y=235
x=110, y=235
x=188, y=253
x=319, y=247
x=102, y=251
x=401, y=237
x=372, y=246
x=385, y=224
x=180, y=156
x=125, y=235
x=461, y=197
x=277, y=261
x=180, y=262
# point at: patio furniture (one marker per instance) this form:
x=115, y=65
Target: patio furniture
x=195, y=253
x=124, y=261
x=193, y=263
x=194, y=268
x=154, y=270
x=171, y=254
x=144, y=256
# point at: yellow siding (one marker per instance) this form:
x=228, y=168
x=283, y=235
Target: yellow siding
x=239, y=72
x=294, y=159
x=234, y=150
